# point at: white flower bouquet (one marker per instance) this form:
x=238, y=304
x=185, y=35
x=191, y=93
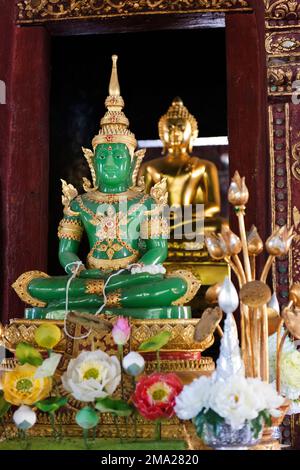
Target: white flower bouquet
x=236, y=402
x=289, y=371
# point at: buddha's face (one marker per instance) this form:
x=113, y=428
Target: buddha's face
x=112, y=163
x=177, y=133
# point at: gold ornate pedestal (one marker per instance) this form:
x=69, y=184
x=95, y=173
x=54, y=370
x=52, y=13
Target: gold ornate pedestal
x=181, y=355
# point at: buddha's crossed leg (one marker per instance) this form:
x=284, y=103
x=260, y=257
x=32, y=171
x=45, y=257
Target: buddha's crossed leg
x=123, y=290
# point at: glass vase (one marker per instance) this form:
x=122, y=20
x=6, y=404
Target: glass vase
x=223, y=437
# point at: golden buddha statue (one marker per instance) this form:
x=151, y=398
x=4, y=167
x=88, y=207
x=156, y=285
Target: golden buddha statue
x=190, y=180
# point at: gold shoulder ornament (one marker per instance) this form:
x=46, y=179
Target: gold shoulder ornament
x=159, y=192
x=68, y=194
x=87, y=185
x=138, y=184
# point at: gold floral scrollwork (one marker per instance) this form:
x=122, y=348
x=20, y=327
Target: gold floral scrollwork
x=282, y=9
x=51, y=10
x=296, y=164
x=280, y=80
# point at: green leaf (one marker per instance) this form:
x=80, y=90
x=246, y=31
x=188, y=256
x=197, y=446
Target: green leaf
x=4, y=406
x=156, y=342
x=27, y=354
x=210, y=417
x=199, y=423
x=50, y=405
x=109, y=405
x=214, y=420
x=258, y=422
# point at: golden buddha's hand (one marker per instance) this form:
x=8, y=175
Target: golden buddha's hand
x=94, y=274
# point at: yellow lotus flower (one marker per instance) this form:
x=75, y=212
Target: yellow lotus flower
x=21, y=388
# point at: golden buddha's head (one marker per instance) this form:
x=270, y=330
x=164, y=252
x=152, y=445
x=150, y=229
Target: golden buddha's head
x=177, y=128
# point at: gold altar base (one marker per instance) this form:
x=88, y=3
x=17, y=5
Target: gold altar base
x=182, y=336
x=181, y=355
x=172, y=429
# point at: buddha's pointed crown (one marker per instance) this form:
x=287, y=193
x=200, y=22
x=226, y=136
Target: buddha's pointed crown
x=114, y=126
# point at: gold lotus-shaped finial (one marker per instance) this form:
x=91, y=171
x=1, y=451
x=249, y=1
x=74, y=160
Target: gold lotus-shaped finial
x=254, y=242
x=238, y=193
x=231, y=240
x=279, y=243
x=114, y=87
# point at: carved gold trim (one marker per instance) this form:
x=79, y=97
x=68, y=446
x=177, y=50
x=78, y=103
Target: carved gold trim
x=193, y=285
x=279, y=44
x=288, y=182
x=21, y=287
x=70, y=229
x=94, y=286
x=286, y=150
x=30, y=11
x=182, y=335
x=23, y=330
x=282, y=10
x=110, y=264
x=272, y=183
x=114, y=299
x=296, y=157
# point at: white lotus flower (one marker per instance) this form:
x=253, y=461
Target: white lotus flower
x=24, y=418
x=93, y=374
x=234, y=401
x=267, y=396
x=193, y=398
x=133, y=364
x=48, y=367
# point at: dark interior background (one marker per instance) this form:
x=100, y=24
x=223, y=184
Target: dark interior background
x=153, y=67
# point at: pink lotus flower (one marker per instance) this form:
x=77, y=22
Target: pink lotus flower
x=121, y=331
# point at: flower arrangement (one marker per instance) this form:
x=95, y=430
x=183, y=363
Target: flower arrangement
x=228, y=408
x=31, y=385
x=289, y=371
x=237, y=402
x=92, y=379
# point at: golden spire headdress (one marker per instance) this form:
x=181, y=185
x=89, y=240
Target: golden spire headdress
x=114, y=125
x=177, y=110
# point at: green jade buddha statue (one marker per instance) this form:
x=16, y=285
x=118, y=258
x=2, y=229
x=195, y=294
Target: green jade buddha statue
x=127, y=234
